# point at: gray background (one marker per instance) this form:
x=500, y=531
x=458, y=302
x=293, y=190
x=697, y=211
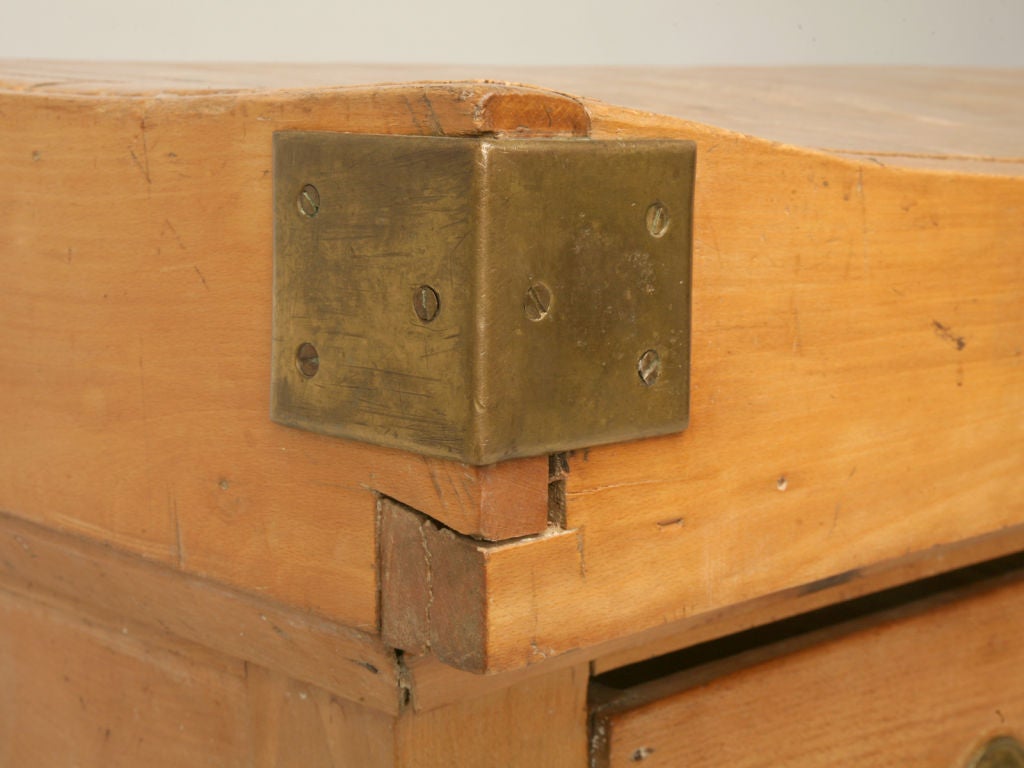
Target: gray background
x=546, y=32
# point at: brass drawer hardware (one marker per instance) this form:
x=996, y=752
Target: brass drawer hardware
x=479, y=298
x=1000, y=752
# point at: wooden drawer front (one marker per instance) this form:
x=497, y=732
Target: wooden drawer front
x=927, y=685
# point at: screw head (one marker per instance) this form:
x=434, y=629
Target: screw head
x=426, y=303
x=309, y=201
x=657, y=219
x=307, y=359
x=649, y=367
x=537, y=302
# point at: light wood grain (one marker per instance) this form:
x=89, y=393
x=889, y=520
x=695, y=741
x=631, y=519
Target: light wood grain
x=857, y=369
x=540, y=723
x=504, y=607
x=434, y=683
x=126, y=591
x=910, y=117
x=858, y=388
x=81, y=691
x=297, y=725
x=501, y=501
x=135, y=239
x=76, y=694
x=924, y=689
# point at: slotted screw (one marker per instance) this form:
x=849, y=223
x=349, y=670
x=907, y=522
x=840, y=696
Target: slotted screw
x=537, y=303
x=657, y=219
x=309, y=201
x=307, y=359
x=649, y=367
x=426, y=302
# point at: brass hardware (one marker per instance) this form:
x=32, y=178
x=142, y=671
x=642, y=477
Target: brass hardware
x=649, y=367
x=309, y=201
x=550, y=287
x=657, y=220
x=307, y=359
x=1000, y=752
x=426, y=302
x=538, y=302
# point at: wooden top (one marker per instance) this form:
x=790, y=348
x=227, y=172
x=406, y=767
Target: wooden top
x=948, y=119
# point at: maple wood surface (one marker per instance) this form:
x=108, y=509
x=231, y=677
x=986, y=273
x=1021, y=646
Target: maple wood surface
x=857, y=374
x=918, y=689
x=81, y=691
x=127, y=591
x=135, y=338
x=78, y=692
x=917, y=115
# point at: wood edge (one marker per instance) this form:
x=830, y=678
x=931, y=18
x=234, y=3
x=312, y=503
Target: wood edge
x=808, y=597
x=435, y=684
x=499, y=107
x=121, y=589
x=502, y=501
x=433, y=589
x=608, y=701
x=611, y=122
x=513, y=499
x=462, y=107
x=404, y=578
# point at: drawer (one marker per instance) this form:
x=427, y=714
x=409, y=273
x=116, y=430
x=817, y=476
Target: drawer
x=928, y=682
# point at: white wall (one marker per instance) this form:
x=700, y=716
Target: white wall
x=645, y=32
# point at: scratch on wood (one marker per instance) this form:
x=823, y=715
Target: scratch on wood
x=612, y=486
x=835, y=519
x=203, y=279
x=432, y=472
x=144, y=171
x=366, y=665
x=579, y=549
x=828, y=582
x=412, y=113
x=178, y=544
x=945, y=332
x=181, y=243
x=142, y=165
x=428, y=608
x=438, y=128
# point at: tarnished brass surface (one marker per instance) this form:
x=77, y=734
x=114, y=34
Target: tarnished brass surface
x=1000, y=752
x=481, y=299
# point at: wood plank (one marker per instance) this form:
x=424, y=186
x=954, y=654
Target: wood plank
x=297, y=725
x=81, y=691
x=126, y=591
x=829, y=295
x=485, y=607
x=926, y=686
x=857, y=389
x=501, y=501
x=909, y=116
x=76, y=694
x=433, y=683
x=540, y=723
x=85, y=693
x=135, y=240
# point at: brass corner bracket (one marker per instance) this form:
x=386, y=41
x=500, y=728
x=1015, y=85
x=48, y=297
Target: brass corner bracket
x=481, y=299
